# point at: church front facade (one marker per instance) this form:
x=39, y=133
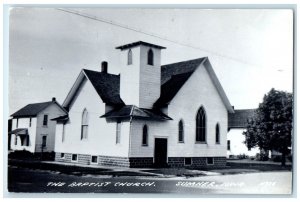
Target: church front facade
x=174, y=115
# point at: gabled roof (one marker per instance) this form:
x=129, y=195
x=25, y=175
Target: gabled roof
x=173, y=77
x=240, y=117
x=131, y=111
x=106, y=85
x=130, y=45
x=32, y=110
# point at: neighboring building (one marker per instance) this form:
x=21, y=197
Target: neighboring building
x=237, y=123
x=32, y=128
x=150, y=115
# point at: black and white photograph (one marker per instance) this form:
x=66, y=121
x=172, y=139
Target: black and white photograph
x=142, y=100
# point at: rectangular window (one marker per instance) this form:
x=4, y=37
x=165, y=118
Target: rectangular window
x=84, y=131
x=17, y=123
x=210, y=160
x=187, y=161
x=44, y=141
x=94, y=159
x=118, y=132
x=62, y=155
x=74, y=157
x=228, y=144
x=63, y=133
x=30, y=122
x=45, y=120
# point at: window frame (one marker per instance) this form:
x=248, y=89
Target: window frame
x=129, y=57
x=45, y=120
x=186, y=163
x=76, y=158
x=213, y=161
x=181, y=131
x=218, y=136
x=84, y=124
x=118, y=132
x=145, y=135
x=44, y=137
x=228, y=145
x=150, y=57
x=97, y=159
x=200, y=114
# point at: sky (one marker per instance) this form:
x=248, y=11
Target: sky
x=251, y=51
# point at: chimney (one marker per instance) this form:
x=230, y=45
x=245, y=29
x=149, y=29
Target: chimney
x=104, y=67
x=53, y=99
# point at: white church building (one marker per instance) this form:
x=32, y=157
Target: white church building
x=149, y=115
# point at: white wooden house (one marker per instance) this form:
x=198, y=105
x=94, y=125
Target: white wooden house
x=150, y=115
x=32, y=127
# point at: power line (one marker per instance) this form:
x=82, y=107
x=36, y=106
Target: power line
x=103, y=20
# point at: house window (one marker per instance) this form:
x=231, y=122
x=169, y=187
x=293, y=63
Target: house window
x=129, y=57
x=45, y=120
x=145, y=136
x=24, y=140
x=74, y=157
x=84, y=124
x=30, y=122
x=150, y=57
x=94, y=159
x=187, y=161
x=201, y=126
x=180, y=131
x=210, y=161
x=118, y=132
x=62, y=155
x=17, y=123
x=228, y=144
x=44, y=141
x=217, y=134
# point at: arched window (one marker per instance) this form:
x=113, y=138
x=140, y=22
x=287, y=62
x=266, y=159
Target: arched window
x=84, y=124
x=145, y=136
x=217, y=134
x=150, y=57
x=201, y=126
x=129, y=57
x=180, y=131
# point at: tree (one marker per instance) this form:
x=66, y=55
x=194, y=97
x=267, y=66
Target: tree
x=271, y=126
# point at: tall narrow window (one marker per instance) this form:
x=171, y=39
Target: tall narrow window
x=44, y=141
x=17, y=123
x=180, y=131
x=217, y=134
x=30, y=122
x=201, y=126
x=129, y=57
x=118, y=133
x=45, y=120
x=145, y=136
x=63, y=132
x=150, y=57
x=228, y=144
x=84, y=124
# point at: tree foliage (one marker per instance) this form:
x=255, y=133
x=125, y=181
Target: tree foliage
x=271, y=126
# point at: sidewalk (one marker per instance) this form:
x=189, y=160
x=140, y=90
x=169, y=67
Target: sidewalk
x=233, y=167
